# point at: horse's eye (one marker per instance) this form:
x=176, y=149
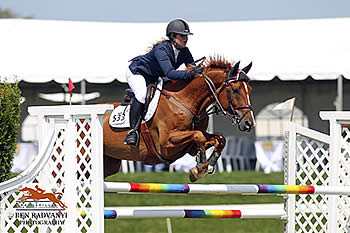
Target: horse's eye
x=235, y=90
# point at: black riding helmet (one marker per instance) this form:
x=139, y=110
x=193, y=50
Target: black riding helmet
x=178, y=26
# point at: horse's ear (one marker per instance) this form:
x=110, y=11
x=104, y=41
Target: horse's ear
x=234, y=70
x=247, y=68
x=243, y=77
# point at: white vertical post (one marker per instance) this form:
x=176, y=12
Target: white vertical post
x=291, y=161
x=334, y=150
x=43, y=125
x=124, y=166
x=70, y=176
x=97, y=162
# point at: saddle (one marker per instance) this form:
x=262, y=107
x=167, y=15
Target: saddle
x=120, y=115
x=129, y=96
x=120, y=118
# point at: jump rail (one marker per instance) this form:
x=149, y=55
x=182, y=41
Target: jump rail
x=208, y=211
x=244, y=189
x=190, y=213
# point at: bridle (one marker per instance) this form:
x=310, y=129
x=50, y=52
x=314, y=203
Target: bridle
x=218, y=108
x=227, y=82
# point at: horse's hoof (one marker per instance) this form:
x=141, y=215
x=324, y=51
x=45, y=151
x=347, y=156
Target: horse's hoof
x=192, y=176
x=211, y=170
x=198, y=173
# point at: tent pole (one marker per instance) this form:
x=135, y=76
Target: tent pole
x=339, y=106
x=83, y=91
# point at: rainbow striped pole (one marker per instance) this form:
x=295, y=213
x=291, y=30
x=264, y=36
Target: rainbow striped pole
x=125, y=187
x=189, y=213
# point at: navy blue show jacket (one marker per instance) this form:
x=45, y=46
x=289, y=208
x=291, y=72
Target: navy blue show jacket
x=160, y=62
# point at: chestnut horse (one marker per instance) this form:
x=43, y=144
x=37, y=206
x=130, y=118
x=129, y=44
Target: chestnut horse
x=179, y=126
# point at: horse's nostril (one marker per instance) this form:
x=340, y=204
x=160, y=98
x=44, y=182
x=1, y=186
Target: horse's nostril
x=248, y=123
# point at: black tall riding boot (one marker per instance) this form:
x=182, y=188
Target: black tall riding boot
x=136, y=112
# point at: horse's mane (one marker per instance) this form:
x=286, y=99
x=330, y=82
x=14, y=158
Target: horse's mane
x=214, y=62
x=218, y=62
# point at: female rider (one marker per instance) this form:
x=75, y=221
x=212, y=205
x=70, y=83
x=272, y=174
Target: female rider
x=161, y=61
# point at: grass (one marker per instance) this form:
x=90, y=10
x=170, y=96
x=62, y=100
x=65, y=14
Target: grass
x=193, y=225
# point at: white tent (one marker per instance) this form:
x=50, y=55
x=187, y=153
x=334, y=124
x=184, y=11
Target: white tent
x=42, y=50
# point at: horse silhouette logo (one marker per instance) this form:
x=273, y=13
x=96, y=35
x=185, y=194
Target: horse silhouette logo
x=38, y=194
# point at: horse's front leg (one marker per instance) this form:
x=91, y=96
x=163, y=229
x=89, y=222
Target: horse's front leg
x=219, y=142
x=201, y=169
x=178, y=138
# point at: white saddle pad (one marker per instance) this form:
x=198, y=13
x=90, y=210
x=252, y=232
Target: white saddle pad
x=120, y=115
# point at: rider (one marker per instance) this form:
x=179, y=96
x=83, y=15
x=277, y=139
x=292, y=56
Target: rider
x=163, y=60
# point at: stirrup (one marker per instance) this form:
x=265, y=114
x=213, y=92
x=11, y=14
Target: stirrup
x=132, y=138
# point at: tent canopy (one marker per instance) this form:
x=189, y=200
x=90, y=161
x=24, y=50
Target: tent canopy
x=43, y=50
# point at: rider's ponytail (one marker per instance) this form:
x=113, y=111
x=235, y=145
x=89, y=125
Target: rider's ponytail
x=155, y=44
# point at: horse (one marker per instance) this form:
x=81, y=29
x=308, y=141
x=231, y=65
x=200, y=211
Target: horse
x=179, y=126
x=39, y=194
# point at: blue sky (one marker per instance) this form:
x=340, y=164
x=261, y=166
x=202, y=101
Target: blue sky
x=163, y=11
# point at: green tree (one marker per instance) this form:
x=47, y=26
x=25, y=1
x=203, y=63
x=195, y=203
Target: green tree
x=7, y=13
x=10, y=109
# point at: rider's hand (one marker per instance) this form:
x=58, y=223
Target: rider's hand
x=197, y=70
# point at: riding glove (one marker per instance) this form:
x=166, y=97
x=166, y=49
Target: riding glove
x=195, y=71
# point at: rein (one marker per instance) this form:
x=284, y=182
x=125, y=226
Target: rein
x=177, y=103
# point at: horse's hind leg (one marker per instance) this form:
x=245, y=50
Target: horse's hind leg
x=110, y=165
x=24, y=198
x=63, y=206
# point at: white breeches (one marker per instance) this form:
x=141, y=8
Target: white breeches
x=137, y=84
